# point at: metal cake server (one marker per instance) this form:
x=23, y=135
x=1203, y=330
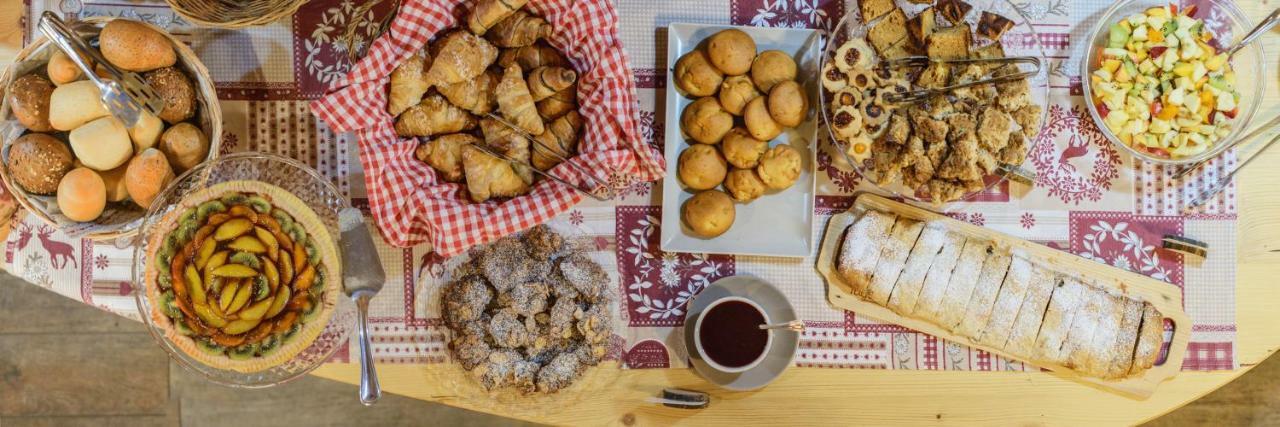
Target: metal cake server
x=125, y=94
x=362, y=278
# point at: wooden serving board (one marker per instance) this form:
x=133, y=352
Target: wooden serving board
x=1165, y=297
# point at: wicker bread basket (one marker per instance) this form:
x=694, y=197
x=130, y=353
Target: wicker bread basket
x=32, y=59
x=234, y=13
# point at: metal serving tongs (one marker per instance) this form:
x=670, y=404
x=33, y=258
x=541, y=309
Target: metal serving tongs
x=924, y=61
x=1244, y=140
x=600, y=190
x=124, y=93
x=1223, y=181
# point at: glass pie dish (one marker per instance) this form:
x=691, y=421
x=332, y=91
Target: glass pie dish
x=1021, y=39
x=1226, y=22
x=319, y=317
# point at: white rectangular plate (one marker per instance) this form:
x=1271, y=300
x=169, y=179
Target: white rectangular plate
x=780, y=223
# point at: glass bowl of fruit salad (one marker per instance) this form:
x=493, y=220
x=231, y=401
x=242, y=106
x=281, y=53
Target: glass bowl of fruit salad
x=1159, y=85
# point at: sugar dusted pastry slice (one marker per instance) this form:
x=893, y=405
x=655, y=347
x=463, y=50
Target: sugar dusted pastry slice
x=963, y=278
x=983, y=299
x=935, y=282
x=1022, y=339
x=1008, y=301
x=1121, y=351
x=861, y=249
x=892, y=258
x=1095, y=359
x=1064, y=303
x=1085, y=327
x=1150, y=339
x=903, y=298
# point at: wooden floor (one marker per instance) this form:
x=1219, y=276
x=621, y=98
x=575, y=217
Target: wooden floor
x=64, y=363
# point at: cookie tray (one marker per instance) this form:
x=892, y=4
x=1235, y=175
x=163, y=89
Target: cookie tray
x=1165, y=297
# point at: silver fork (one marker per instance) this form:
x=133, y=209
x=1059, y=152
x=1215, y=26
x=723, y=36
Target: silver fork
x=362, y=278
x=125, y=94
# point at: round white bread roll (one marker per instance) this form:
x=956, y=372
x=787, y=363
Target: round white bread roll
x=146, y=132
x=74, y=104
x=114, y=180
x=102, y=144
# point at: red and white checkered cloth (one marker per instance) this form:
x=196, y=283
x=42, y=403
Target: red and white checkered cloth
x=412, y=205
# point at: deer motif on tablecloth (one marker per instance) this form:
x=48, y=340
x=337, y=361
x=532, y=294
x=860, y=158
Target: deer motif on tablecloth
x=56, y=250
x=1076, y=147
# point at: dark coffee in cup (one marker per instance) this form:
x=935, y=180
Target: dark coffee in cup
x=729, y=334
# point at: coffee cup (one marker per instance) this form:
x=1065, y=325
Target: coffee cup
x=727, y=335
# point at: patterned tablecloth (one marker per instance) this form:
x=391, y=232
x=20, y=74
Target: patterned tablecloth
x=1090, y=199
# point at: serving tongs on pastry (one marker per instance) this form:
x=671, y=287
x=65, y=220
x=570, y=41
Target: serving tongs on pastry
x=600, y=190
x=924, y=61
x=124, y=93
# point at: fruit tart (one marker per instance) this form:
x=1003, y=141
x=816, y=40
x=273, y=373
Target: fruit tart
x=243, y=275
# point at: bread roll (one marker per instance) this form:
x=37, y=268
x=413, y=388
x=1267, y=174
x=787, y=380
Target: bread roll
x=63, y=70
x=102, y=144
x=146, y=132
x=82, y=195
x=731, y=51
x=147, y=174
x=134, y=46
x=37, y=162
x=178, y=93
x=74, y=104
x=29, y=98
x=184, y=145
x=709, y=213
x=772, y=67
x=114, y=180
x=788, y=103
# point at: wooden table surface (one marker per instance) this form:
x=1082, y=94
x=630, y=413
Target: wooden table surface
x=815, y=395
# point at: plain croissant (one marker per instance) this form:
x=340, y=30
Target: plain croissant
x=560, y=141
x=519, y=29
x=489, y=176
x=516, y=103
x=408, y=83
x=433, y=116
x=490, y=12
x=460, y=56
x=559, y=103
x=532, y=56
x=474, y=95
x=546, y=81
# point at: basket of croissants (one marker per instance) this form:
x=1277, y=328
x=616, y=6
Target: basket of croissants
x=450, y=84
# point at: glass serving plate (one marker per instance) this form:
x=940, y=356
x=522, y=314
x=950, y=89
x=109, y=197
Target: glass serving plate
x=458, y=383
x=1021, y=40
x=1227, y=22
x=287, y=174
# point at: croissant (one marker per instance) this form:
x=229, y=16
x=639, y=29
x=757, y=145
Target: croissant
x=546, y=81
x=532, y=56
x=519, y=29
x=474, y=95
x=516, y=103
x=433, y=116
x=408, y=83
x=489, y=12
x=459, y=56
x=504, y=139
x=559, y=103
x=444, y=154
x=561, y=138
x=489, y=176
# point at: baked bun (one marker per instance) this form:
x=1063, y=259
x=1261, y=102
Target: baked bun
x=146, y=132
x=741, y=150
x=102, y=144
x=708, y=213
x=114, y=180
x=82, y=195
x=74, y=104
x=788, y=103
x=701, y=167
x=62, y=70
x=134, y=46
x=779, y=167
x=759, y=123
x=744, y=185
x=178, y=93
x=29, y=98
x=184, y=145
x=772, y=67
x=147, y=174
x=736, y=92
x=731, y=51
x=37, y=162
x=696, y=76
x=705, y=122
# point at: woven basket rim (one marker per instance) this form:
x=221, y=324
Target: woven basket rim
x=204, y=85
x=282, y=9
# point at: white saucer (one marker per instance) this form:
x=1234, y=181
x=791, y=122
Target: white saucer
x=781, y=354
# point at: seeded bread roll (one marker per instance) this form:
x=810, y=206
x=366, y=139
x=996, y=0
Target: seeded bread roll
x=38, y=161
x=178, y=93
x=29, y=98
x=134, y=46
